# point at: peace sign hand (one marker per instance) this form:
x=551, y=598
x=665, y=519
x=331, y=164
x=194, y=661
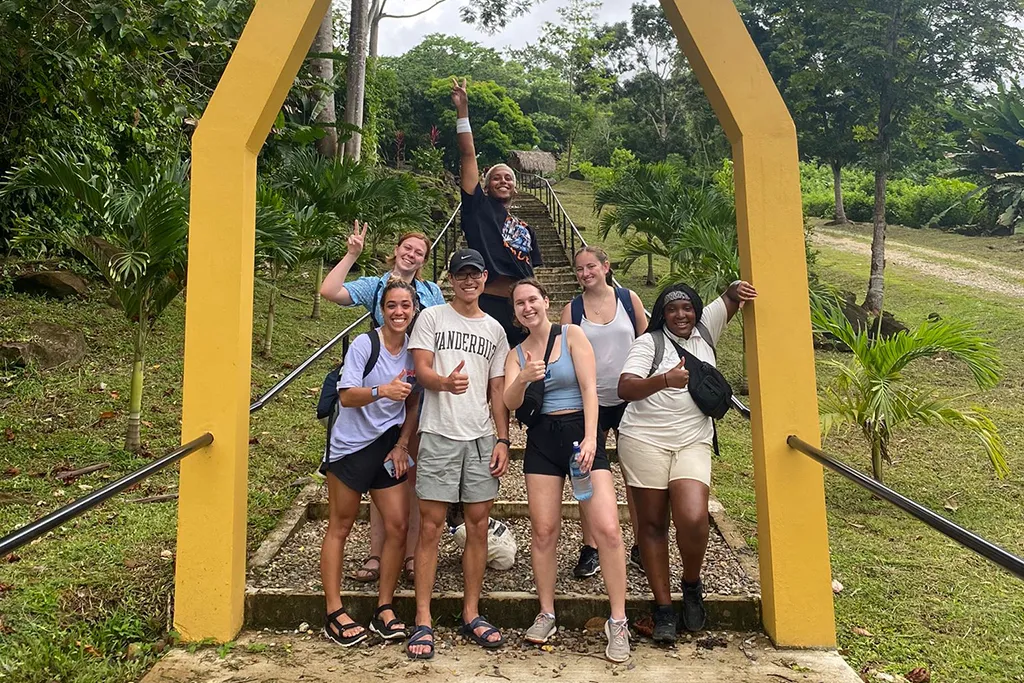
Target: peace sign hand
x=459, y=97
x=397, y=389
x=357, y=240
x=678, y=377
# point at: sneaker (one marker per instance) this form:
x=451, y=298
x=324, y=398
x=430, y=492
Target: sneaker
x=665, y=624
x=618, y=640
x=588, y=564
x=634, y=559
x=694, y=614
x=543, y=628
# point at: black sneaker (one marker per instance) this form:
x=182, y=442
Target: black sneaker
x=694, y=614
x=665, y=624
x=588, y=564
x=634, y=559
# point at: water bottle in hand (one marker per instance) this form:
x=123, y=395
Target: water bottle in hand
x=582, y=489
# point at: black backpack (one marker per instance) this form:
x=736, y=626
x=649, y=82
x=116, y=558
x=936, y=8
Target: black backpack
x=533, y=398
x=708, y=387
x=327, y=405
x=621, y=293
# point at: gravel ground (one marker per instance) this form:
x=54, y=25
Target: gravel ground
x=297, y=566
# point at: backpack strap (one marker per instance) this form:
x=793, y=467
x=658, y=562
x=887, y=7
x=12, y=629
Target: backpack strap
x=555, y=331
x=659, y=350
x=626, y=299
x=371, y=360
x=374, y=324
x=705, y=334
x=576, y=310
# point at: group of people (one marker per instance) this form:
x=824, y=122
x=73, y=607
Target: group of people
x=426, y=398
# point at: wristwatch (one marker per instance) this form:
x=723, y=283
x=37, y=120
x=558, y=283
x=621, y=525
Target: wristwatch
x=375, y=392
x=506, y=442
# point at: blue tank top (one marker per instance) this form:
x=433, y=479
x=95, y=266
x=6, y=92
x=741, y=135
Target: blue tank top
x=561, y=388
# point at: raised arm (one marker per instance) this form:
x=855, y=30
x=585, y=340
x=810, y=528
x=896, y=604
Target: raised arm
x=739, y=293
x=469, y=174
x=333, y=287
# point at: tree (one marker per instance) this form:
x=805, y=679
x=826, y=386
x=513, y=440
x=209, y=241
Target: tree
x=871, y=394
x=134, y=232
x=355, y=88
x=994, y=153
x=278, y=248
x=323, y=71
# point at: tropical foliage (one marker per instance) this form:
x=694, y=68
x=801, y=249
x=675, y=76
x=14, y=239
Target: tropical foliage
x=133, y=230
x=872, y=394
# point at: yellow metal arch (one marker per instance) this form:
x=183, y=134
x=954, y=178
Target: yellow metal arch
x=793, y=543
x=792, y=536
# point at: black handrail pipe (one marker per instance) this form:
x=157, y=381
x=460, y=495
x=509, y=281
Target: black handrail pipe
x=30, y=532
x=968, y=539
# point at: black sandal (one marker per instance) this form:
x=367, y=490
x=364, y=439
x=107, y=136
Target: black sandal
x=338, y=633
x=387, y=631
x=418, y=637
x=469, y=630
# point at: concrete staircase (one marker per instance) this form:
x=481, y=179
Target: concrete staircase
x=557, y=273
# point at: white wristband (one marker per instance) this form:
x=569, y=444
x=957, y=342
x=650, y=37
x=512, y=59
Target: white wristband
x=462, y=125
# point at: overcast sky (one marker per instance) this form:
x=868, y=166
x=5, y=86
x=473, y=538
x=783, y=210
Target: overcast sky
x=399, y=35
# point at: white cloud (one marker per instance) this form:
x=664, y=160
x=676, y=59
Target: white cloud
x=399, y=35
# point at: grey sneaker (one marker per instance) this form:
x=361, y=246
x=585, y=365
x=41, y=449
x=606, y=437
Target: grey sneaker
x=543, y=628
x=618, y=641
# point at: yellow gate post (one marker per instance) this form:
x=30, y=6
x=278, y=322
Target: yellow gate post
x=209, y=579
x=792, y=534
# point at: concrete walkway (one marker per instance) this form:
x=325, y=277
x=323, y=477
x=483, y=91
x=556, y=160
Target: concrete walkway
x=289, y=658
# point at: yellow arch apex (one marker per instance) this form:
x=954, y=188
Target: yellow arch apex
x=792, y=533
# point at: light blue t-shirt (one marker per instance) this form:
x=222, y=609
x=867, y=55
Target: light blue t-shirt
x=365, y=292
x=357, y=428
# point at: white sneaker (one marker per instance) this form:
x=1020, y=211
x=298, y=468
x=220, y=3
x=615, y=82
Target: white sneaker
x=618, y=641
x=543, y=628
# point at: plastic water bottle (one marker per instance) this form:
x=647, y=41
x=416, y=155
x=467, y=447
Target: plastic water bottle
x=582, y=489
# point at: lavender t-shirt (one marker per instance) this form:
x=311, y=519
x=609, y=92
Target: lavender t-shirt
x=357, y=428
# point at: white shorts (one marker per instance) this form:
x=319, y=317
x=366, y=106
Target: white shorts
x=647, y=466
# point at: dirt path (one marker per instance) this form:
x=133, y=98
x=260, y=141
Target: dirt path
x=970, y=272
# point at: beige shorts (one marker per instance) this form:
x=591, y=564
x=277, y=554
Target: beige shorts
x=646, y=466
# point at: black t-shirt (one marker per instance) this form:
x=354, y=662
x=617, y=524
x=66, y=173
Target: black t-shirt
x=508, y=245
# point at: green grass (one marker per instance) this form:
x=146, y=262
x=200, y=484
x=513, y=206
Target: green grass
x=74, y=600
x=926, y=601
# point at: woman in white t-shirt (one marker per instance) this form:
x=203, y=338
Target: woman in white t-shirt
x=665, y=443
x=611, y=318
x=369, y=452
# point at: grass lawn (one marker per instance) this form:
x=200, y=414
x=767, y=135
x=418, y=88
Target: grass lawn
x=73, y=602
x=926, y=601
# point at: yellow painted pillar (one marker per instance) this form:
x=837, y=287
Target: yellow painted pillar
x=791, y=526
x=210, y=567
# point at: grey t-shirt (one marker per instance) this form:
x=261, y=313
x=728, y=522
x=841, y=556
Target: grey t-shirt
x=357, y=428
x=454, y=338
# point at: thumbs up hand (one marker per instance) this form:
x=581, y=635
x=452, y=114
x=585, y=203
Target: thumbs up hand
x=458, y=381
x=397, y=389
x=678, y=377
x=533, y=370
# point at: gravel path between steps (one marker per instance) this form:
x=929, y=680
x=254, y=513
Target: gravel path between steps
x=297, y=565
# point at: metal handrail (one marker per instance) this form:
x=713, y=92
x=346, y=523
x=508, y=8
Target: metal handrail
x=968, y=539
x=341, y=336
x=30, y=532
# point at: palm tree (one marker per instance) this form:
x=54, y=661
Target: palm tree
x=870, y=392
x=345, y=190
x=995, y=152
x=278, y=247
x=134, y=231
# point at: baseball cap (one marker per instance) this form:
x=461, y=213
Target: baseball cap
x=466, y=258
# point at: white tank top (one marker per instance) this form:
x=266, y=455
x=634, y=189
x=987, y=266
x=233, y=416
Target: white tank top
x=611, y=343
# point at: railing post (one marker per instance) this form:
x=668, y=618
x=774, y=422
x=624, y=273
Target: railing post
x=209, y=573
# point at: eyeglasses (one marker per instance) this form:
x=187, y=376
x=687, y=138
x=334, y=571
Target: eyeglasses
x=467, y=275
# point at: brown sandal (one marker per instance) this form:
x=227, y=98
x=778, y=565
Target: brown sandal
x=365, y=574
x=409, y=575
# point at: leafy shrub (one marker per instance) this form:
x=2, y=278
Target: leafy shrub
x=601, y=176
x=428, y=160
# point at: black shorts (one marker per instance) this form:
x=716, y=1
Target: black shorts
x=609, y=417
x=549, y=445
x=364, y=470
x=501, y=309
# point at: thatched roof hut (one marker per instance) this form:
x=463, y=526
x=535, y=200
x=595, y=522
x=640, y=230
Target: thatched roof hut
x=534, y=161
